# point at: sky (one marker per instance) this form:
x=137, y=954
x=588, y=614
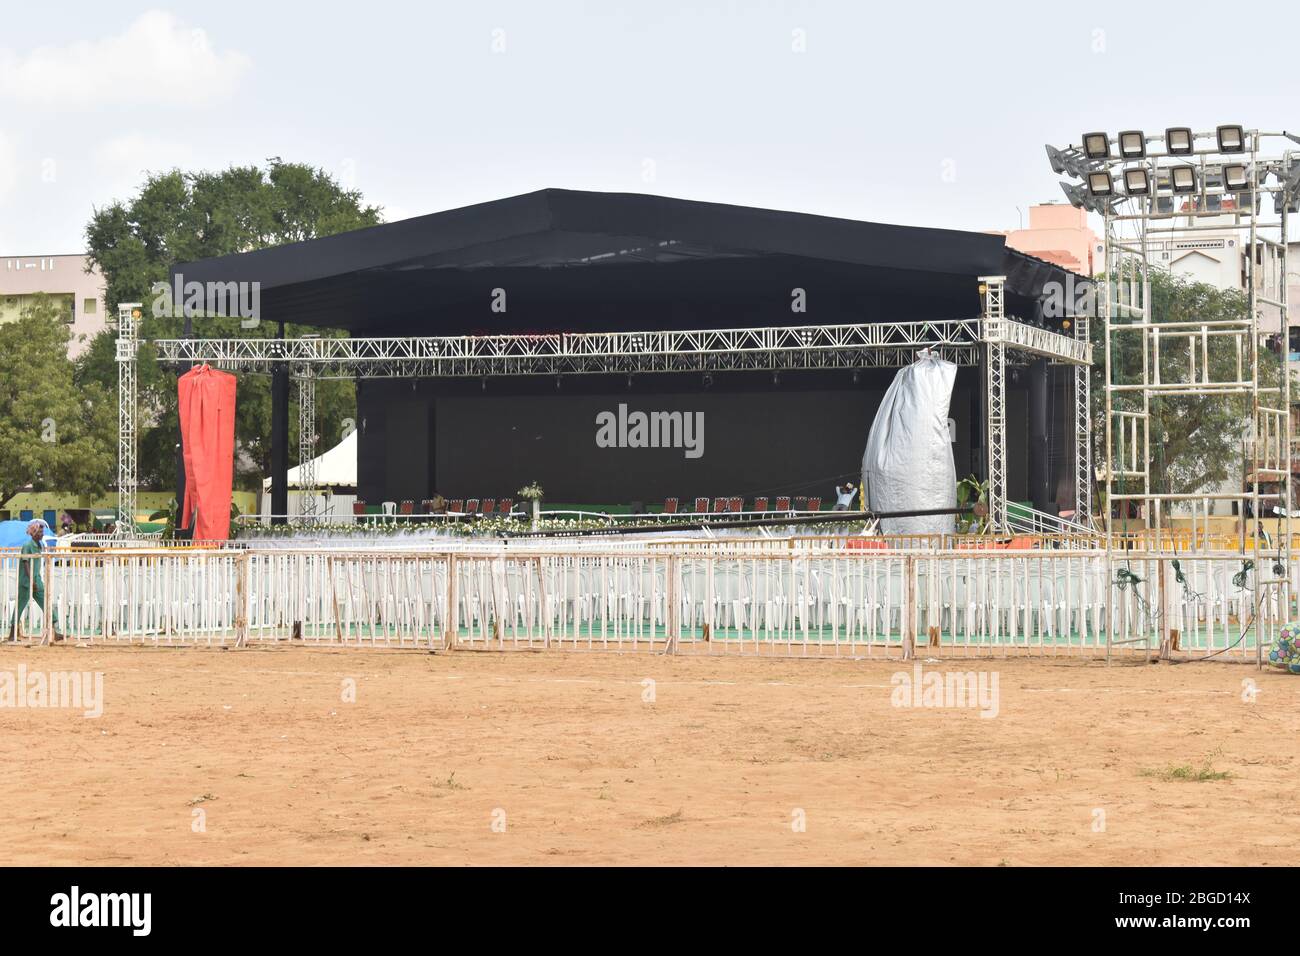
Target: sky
x=931, y=114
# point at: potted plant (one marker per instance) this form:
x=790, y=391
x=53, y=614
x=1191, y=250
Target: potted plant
x=975, y=493
x=532, y=492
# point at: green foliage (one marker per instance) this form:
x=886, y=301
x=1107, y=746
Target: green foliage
x=971, y=491
x=170, y=516
x=497, y=525
x=180, y=217
x=54, y=435
x=1195, y=439
x=530, y=492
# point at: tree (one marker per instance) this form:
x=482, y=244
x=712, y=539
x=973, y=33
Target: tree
x=1195, y=438
x=180, y=217
x=53, y=435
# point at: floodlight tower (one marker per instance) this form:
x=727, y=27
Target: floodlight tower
x=1157, y=193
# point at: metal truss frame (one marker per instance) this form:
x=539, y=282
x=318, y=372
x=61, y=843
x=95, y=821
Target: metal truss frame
x=996, y=334
x=992, y=337
x=1083, y=473
x=306, y=378
x=127, y=407
x=874, y=345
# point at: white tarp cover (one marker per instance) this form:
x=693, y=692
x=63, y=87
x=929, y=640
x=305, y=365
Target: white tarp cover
x=336, y=468
x=908, y=463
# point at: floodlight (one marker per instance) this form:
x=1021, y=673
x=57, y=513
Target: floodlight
x=1100, y=184
x=1056, y=159
x=1096, y=146
x=1080, y=198
x=1179, y=141
x=1288, y=197
x=1074, y=194
x=1132, y=144
x=1235, y=178
x=1183, y=179
x=1137, y=182
x=1232, y=139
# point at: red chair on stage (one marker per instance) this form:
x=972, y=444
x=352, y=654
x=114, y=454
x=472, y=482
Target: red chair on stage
x=407, y=506
x=783, y=503
x=456, y=505
x=359, y=507
x=506, y=505
x=719, y=505
x=489, y=504
x=471, y=506
x=670, y=506
x=737, y=505
x=701, y=506
x=760, y=504
x=814, y=504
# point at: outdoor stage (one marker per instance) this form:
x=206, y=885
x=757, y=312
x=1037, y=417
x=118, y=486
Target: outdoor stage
x=487, y=340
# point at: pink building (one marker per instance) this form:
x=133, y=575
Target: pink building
x=78, y=293
x=1059, y=233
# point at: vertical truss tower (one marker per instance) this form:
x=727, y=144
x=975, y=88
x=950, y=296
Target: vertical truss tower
x=306, y=378
x=128, y=317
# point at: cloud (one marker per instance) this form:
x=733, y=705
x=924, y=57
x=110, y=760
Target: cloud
x=123, y=160
x=8, y=166
x=156, y=61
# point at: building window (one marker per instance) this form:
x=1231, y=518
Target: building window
x=89, y=306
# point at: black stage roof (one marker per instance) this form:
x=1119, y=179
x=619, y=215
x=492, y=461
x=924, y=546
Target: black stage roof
x=571, y=260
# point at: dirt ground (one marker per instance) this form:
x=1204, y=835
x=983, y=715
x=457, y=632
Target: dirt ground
x=255, y=757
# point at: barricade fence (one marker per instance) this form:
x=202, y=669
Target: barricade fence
x=855, y=603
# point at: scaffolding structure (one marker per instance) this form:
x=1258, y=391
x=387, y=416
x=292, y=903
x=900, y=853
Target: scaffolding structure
x=1161, y=193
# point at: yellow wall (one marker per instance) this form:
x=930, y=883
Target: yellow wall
x=13, y=305
x=147, y=502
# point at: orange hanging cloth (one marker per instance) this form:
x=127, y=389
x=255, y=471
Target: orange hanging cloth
x=207, y=413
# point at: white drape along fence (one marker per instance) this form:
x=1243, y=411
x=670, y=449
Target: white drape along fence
x=850, y=603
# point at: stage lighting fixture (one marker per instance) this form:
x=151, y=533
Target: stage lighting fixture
x=1096, y=146
x=1232, y=139
x=1132, y=144
x=1235, y=178
x=1100, y=184
x=1075, y=194
x=1179, y=141
x=1056, y=159
x=1137, y=182
x=1182, y=179
x=1289, y=195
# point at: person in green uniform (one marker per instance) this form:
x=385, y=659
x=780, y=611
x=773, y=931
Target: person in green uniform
x=30, y=584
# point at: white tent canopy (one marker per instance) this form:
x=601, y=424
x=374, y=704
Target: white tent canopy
x=336, y=468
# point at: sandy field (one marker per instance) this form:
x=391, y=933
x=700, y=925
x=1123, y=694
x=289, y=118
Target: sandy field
x=257, y=757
